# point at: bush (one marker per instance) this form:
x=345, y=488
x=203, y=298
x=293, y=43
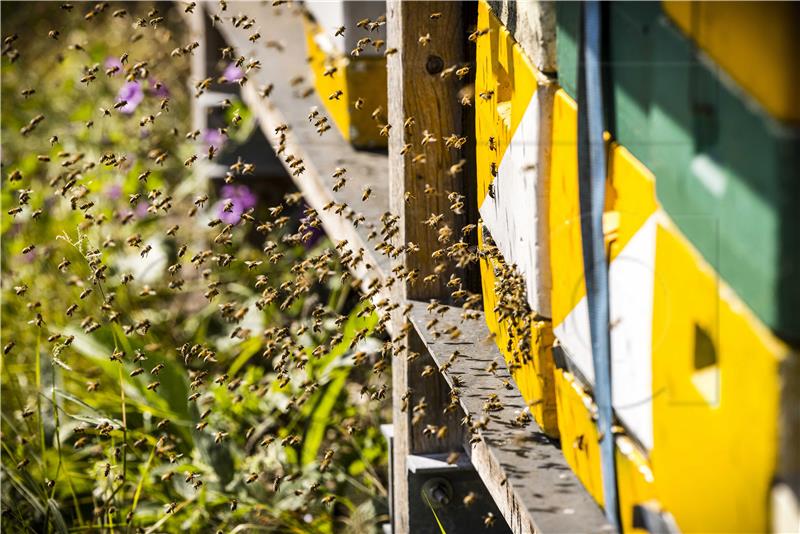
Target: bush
x=163, y=369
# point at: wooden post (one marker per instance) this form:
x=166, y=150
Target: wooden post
x=424, y=108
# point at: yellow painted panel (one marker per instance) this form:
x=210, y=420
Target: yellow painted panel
x=716, y=397
x=630, y=197
x=581, y=448
x=508, y=81
x=357, y=77
x=531, y=363
x=579, y=438
x=630, y=200
x=635, y=482
x=566, y=254
x=757, y=43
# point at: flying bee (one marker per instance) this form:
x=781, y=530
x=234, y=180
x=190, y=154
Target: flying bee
x=366, y=193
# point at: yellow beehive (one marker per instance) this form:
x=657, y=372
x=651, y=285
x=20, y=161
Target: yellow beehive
x=340, y=77
x=512, y=103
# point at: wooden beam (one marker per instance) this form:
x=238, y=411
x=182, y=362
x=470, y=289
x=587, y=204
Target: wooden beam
x=424, y=108
x=524, y=471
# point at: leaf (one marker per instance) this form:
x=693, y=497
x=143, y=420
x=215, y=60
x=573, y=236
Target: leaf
x=58, y=519
x=320, y=418
x=249, y=348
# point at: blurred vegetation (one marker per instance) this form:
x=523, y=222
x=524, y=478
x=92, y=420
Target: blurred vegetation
x=236, y=384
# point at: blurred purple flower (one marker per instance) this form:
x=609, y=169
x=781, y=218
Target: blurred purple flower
x=114, y=191
x=233, y=73
x=242, y=199
x=141, y=209
x=213, y=137
x=158, y=89
x=30, y=257
x=133, y=94
x=112, y=61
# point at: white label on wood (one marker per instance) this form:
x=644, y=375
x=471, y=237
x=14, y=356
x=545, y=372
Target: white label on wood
x=515, y=212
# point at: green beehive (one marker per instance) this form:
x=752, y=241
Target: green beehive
x=726, y=171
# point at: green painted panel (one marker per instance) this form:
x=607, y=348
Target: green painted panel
x=567, y=21
x=726, y=172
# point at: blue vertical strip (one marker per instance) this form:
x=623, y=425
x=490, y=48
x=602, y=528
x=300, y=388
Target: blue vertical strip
x=592, y=187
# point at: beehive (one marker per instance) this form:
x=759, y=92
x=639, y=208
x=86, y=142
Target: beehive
x=701, y=259
x=341, y=76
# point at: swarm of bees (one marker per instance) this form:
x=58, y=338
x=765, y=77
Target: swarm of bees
x=445, y=236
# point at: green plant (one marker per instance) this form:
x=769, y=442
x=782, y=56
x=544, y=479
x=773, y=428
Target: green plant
x=230, y=384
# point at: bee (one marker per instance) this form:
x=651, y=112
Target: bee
x=335, y=95
x=424, y=40
x=339, y=31
x=366, y=193
x=252, y=477
x=469, y=499
x=266, y=90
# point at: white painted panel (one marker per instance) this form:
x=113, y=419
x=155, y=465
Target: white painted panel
x=574, y=335
x=631, y=283
x=517, y=215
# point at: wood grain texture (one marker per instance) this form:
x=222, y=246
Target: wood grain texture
x=417, y=92
x=533, y=25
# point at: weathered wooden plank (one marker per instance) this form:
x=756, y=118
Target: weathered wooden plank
x=533, y=25
x=420, y=102
x=523, y=469
x=321, y=155
x=424, y=108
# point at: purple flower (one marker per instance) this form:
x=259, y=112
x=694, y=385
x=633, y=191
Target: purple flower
x=114, y=191
x=158, y=89
x=133, y=94
x=213, y=137
x=242, y=199
x=111, y=62
x=141, y=209
x=233, y=73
